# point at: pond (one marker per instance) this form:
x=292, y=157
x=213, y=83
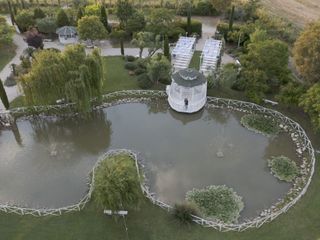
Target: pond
x=46, y=162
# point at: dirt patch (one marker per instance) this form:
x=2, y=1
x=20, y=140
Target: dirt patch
x=300, y=12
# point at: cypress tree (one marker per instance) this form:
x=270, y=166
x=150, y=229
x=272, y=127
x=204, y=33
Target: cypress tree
x=104, y=17
x=166, y=49
x=231, y=19
x=62, y=18
x=11, y=12
x=80, y=13
x=3, y=96
x=189, y=29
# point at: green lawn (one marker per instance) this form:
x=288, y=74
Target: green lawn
x=195, y=61
x=150, y=222
x=6, y=54
x=116, y=76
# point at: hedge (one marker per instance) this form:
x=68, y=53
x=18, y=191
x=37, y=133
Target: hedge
x=196, y=26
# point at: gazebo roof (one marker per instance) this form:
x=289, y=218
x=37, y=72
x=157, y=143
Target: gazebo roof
x=189, y=78
x=66, y=30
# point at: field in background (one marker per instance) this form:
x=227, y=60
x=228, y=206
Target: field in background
x=299, y=12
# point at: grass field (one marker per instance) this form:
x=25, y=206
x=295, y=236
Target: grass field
x=299, y=12
x=6, y=54
x=195, y=61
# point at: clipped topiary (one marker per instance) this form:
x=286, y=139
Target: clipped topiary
x=283, y=168
x=130, y=66
x=217, y=202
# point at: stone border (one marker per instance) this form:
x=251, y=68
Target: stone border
x=298, y=135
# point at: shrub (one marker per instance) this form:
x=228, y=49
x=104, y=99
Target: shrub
x=139, y=71
x=184, y=211
x=130, y=58
x=283, y=168
x=217, y=202
x=47, y=25
x=38, y=13
x=261, y=124
x=130, y=66
x=144, y=81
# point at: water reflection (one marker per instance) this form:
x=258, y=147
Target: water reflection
x=181, y=152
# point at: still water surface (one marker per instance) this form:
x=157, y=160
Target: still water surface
x=48, y=165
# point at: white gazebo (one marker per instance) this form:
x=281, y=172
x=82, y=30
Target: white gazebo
x=67, y=35
x=188, y=91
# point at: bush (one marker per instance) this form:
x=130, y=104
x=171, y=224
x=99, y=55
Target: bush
x=196, y=26
x=204, y=8
x=130, y=66
x=47, y=25
x=144, y=81
x=217, y=202
x=130, y=58
x=184, y=211
x=140, y=71
x=261, y=124
x=25, y=20
x=38, y=13
x=283, y=168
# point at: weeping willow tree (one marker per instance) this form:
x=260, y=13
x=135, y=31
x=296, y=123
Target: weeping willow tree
x=70, y=75
x=95, y=67
x=77, y=92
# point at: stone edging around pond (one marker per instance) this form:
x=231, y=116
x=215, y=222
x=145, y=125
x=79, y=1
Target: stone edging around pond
x=298, y=135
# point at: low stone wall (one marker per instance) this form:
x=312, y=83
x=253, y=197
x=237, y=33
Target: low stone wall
x=304, y=150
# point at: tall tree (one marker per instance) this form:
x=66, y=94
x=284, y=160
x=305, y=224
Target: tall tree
x=3, y=96
x=124, y=11
x=189, y=27
x=80, y=13
x=311, y=104
x=120, y=36
x=166, y=48
x=11, y=12
x=104, y=17
x=306, y=53
x=91, y=28
x=231, y=18
x=62, y=19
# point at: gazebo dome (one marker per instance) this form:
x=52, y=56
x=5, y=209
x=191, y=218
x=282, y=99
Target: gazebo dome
x=67, y=34
x=189, y=78
x=188, y=91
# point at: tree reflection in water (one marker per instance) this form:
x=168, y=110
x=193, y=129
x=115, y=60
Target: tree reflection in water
x=91, y=135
